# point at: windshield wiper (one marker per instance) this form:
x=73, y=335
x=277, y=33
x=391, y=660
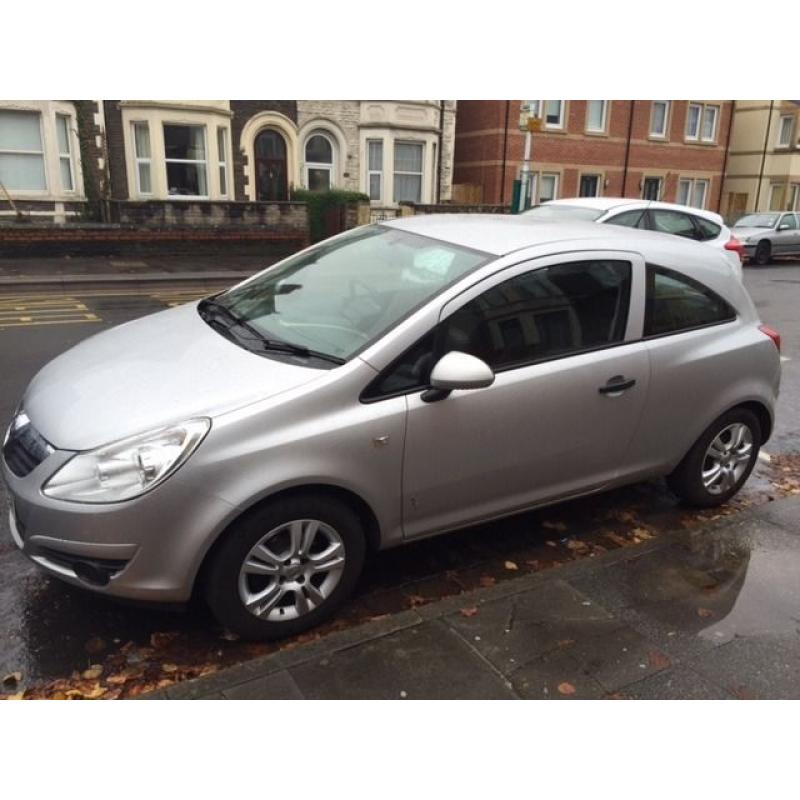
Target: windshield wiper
x=275, y=345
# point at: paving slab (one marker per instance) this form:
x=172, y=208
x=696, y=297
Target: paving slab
x=679, y=683
x=555, y=676
x=278, y=686
x=427, y=661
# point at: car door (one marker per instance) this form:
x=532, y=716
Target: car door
x=570, y=384
x=786, y=241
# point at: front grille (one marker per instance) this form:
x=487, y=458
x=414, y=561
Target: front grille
x=25, y=449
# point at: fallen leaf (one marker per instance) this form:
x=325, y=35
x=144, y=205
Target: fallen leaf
x=95, y=645
x=469, y=612
x=566, y=688
x=18, y=696
x=511, y=565
x=160, y=639
x=416, y=600
x=487, y=580
x=642, y=533
x=229, y=636
x=705, y=612
x=169, y=667
x=554, y=526
x=94, y=672
x=577, y=544
x=551, y=543
x=658, y=660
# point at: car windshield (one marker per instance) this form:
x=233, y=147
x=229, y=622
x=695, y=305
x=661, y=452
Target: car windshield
x=757, y=221
x=341, y=296
x=549, y=211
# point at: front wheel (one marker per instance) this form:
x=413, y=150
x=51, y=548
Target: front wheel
x=720, y=461
x=285, y=566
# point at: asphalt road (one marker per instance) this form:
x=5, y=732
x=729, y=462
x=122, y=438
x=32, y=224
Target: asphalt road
x=48, y=630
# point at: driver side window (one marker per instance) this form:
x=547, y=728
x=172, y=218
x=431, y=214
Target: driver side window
x=547, y=313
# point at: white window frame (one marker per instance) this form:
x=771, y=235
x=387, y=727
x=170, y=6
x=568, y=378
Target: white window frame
x=222, y=155
x=67, y=155
x=140, y=161
x=664, y=134
x=379, y=173
x=322, y=165
x=604, y=117
x=692, y=185
x=694, y=136
x=706, y=111
x=396, y=172
x=538, y=108
x=789, y=129
x=41, y=153
x=204, y=162
x=556, y=182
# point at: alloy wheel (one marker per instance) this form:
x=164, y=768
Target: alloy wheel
x=292, y=570
x=727, y=458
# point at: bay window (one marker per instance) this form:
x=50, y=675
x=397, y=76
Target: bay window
x=408, y=160
x=222, y=156
x=185, y=158
x=65, y=153
x=22, y=151
x=141, y=144
x=375, y=169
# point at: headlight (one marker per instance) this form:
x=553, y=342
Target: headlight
x=128, y=468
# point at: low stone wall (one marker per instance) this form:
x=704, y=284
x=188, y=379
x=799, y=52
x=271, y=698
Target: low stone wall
x=452, y=208
x=284, y=217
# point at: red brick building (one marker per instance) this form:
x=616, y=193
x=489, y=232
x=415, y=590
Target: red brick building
x=673, y=150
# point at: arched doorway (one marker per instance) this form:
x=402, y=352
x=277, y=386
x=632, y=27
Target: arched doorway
x=270, y=166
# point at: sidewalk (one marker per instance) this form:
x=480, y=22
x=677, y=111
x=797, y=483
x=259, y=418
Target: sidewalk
x=29, y=272
x=711, y=613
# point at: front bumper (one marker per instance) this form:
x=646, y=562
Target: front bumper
x=149, y=548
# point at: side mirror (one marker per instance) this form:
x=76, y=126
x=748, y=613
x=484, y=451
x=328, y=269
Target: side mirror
x=784, y=226
x=456, y=370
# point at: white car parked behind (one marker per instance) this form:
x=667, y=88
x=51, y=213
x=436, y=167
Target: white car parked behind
x=690, y=223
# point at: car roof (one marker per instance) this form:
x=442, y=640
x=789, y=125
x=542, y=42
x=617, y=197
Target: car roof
x=500, y=234
x=619, y=203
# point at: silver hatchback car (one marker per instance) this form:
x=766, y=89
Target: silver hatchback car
x=395, y=382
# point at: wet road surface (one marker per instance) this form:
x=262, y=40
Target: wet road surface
x=49, y=630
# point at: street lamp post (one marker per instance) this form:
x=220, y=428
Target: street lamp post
x=525, y=185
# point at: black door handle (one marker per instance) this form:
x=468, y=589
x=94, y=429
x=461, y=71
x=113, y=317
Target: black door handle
x=617, y=384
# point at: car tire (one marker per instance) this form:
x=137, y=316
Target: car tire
x=731, y=444
x=273, y=558
x=763, y=254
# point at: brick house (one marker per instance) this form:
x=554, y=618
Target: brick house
x=763, y=172
x=673, y=150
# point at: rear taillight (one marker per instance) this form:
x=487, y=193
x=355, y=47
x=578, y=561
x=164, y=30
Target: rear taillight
x=773, y=334
x=734, y=244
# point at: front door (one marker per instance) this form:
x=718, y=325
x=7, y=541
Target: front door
x=552, y=424
x=270, y=166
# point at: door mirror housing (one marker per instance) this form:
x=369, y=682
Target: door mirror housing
x=456, y=370
x=784, y=226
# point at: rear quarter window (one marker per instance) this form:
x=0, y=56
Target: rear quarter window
x=707, y=230
x=678, y=303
